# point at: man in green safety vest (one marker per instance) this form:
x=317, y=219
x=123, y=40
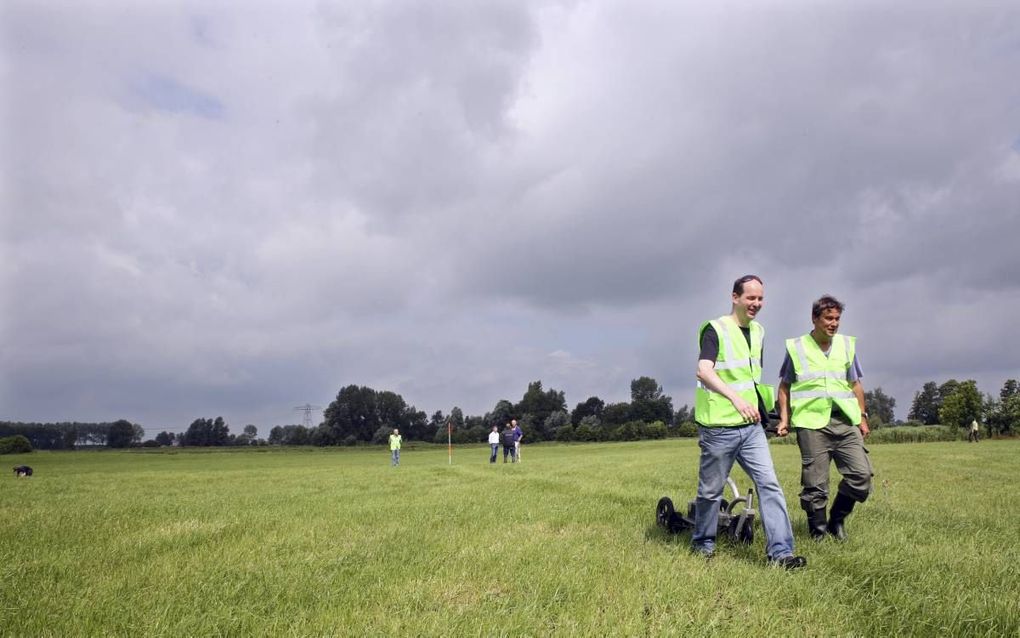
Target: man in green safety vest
x=821, y=386
x=730, y=407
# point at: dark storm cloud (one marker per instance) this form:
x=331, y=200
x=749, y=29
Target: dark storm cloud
x=209, y=210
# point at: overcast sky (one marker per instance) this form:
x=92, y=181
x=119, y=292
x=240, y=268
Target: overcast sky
x=238, y=208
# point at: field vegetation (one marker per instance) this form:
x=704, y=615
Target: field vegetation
x=334, y=541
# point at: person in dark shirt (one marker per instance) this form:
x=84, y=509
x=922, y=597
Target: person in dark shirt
x=729, y=409
x=710, y=351
x=509, y=444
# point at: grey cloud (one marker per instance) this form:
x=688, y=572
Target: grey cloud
x=451, y=201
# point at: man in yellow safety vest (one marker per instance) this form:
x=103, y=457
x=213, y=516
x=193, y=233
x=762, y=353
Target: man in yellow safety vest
x=730, y=407
x=821, y=396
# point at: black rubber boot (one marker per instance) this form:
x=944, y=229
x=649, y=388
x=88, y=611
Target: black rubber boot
x=816, y=523
x=841, y=508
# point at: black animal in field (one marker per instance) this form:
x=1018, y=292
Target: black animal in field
x=22, y=470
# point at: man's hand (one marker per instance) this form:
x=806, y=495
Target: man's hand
x=865, y=430
x=783, y=428
x=746, y=410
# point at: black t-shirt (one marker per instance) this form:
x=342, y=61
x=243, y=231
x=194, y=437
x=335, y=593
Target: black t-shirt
x=710, y=351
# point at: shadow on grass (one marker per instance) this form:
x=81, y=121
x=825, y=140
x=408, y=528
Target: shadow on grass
x=751, y=554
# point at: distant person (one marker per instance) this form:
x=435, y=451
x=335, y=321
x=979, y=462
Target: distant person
x=730, y=407
x=395, y=441
x=821, y=385
x=508, y=444
x=975, y=433
x=518, y=435
x=494, y=443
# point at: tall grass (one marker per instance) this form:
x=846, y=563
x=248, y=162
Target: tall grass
x=898, y=434
x=336, y=542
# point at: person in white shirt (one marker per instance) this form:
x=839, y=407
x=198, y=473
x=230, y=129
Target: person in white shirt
x=494, y=443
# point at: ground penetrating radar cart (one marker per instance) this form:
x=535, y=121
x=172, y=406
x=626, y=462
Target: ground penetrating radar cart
x=736, y=517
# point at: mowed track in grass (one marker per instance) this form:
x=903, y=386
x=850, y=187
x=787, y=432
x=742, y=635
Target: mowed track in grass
x=336, y=542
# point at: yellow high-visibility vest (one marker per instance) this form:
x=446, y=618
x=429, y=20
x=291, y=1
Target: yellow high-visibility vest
x=821, y=381
x=738, y=366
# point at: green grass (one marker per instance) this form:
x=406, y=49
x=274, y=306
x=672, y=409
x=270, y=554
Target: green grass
x=336, y=542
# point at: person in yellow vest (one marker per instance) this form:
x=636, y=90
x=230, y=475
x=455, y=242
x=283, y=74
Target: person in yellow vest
x=821, y=396
x=730, y=407
x=395, y=441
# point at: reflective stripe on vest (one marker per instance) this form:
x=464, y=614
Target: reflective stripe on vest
x=821, y=381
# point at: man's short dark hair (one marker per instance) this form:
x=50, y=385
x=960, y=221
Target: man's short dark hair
x=825, y=302
x=738, y=285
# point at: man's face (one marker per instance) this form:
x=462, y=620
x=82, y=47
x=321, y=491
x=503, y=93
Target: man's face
x=748, y=303
x=514, y=423
x=828, y=322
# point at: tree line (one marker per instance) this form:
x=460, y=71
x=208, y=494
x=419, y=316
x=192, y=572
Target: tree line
x=959, y=403
x=360, y=414
x=123, y=434
x=71, y=435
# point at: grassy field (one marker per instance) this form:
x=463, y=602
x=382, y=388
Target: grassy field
x=336, y=542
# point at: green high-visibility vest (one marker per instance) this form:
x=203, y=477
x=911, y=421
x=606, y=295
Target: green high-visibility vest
x=821, y=381
x=738, y=366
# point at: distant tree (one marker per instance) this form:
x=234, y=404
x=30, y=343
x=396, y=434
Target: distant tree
x=555, y=421
x=121, y=434
x=962, y=406
x=683, y=414
x=616, y=414
x=1002, y=416
x=880, y=407
x=656, y=430
x=540, y=404
x=500, y=415
x=946, y=389
x=925, y=407
x=165, y=438
x=207, y=432
x=589, y=429
x=220, y=432
x=289, y=435
x=323, y=435
x=1009, y=389
x=592, y=406
x=17, y=444
x=251, y=431
x=1011, y=415
x=352, y=413
x=391, y=409
x=51, y=436
x=564, y=433
x=435, y=423
x=359, y=411
x=198, y=433
x=533, y=430
x=416, y=424
x=648, y=403
x=457, y=418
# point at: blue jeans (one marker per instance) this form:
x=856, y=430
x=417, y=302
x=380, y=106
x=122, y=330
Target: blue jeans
x=746, y=445
x=395, y=457
x=495, y=451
